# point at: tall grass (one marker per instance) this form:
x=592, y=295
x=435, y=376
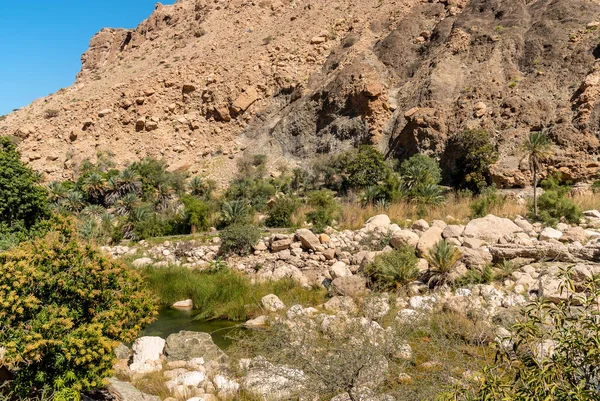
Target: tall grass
x=225, y=294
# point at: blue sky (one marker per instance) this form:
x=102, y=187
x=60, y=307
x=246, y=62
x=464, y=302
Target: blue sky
x=41, y=42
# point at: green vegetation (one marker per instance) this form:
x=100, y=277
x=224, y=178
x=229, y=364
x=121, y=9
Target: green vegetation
x=391, y=270
x=64, y=307
x=552, y=353
x=555, y=205
x=485, y=201
x=536, y=147
x=281, y=212
x=325, y=209
x=23, y=202
x=442, y=258
x=239, y=239
x=476, y=153
x=223, y=293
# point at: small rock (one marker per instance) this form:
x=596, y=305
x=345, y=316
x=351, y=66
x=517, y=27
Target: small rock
x=272, y=303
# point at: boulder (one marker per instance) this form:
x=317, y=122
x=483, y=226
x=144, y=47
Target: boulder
x=260, y=321
x=472, y=243
x=524, y=224
x=491, y=228
x=272, y=303
x=339, y=269
x=280, y=244
x=420, y=225
x=429, y=239
x=404, y=237
x=379, y=221
x=308, y=239
x=341, y=304
x=574, y=234
x=245, y=100
x=352, y=286
x=147, y=352
x=476, y=259
x=592, y=214
x=187, y=345
x=121, y=391
x=550, y=233
x=272, y=382
x=538, y=251
x=185, y=305
x=141, y=262
x=453, y=231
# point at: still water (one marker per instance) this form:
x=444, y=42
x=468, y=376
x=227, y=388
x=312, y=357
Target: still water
x=171, y=321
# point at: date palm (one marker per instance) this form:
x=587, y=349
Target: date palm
x=537, y=147
x=94, y=186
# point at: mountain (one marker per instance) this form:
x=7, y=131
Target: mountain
x=199, y=83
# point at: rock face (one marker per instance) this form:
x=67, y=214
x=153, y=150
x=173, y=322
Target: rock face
x=405, y=75
x=122, y=391
x=491, y=229
x=187, y=345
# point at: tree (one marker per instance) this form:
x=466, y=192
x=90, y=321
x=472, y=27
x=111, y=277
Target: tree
x=64, y=307
x=197, y=213
x=419, y=170
x=477, y=154
x=537, y=147
x=23, y=202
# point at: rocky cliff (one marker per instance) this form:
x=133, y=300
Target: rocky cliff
x=199, y=82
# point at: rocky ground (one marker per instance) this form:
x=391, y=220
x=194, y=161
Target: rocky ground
x=196, y=368
x=199, y=82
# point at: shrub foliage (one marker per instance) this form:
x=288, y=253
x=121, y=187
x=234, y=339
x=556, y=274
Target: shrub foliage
x=391, y=270
x=64, y=307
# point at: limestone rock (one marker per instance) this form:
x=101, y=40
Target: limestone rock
x=308, y=239
x=147, y=352
x=379, y=221
x=549, y=233
x=429, y=239
x=404, y=237
x=491, y=228
x=352, y=286
x=272, y=303
x=186, y=345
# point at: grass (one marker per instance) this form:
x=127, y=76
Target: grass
x=225, y=294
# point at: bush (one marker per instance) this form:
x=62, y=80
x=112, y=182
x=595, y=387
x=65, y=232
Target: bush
x=476, y=154
x=552, y=353
x=325, y=209
x=280, y=214
x=442, y=258
x=419, y=170
x=239, y=239
x=23, y=202
x=487, y=199
x=554, y=204
x=64, y=307
x=196, y=212
x=235, y=212
x=391, y=270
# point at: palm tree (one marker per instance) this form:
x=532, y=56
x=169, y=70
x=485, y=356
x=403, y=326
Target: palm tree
x=129, y=182
x=94, y=186
x=537, y=147
x=442, y=258
x=56, y=193
x=234, y=212
x=73, y=201
x=198, y=186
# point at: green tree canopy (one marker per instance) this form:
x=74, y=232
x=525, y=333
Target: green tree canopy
x=23, y=202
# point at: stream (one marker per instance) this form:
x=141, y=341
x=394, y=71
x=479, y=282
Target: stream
x=171, y=321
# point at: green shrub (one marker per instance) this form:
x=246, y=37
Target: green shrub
x=281, y=212
x=487, y=199
x=419, y=170
x=551, y=354
x=196, y=212
x=554, y=204
x=476, y=153
x=391, y=270
x=239, y=239
x=235, y=212
x=442, y=258
x=325, y=209
x=255, y=192
x=64, y=307
x=473, y=277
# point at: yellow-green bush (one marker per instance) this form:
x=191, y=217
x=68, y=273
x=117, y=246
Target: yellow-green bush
x=64, y=307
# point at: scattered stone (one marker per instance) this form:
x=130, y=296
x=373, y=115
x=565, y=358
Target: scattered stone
x=404, y=237
x=186, y=345
x=272, y=303
x=147, y=352
x=491, y=228
x=549, y=233
x=187, y=304
x=308, y=239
